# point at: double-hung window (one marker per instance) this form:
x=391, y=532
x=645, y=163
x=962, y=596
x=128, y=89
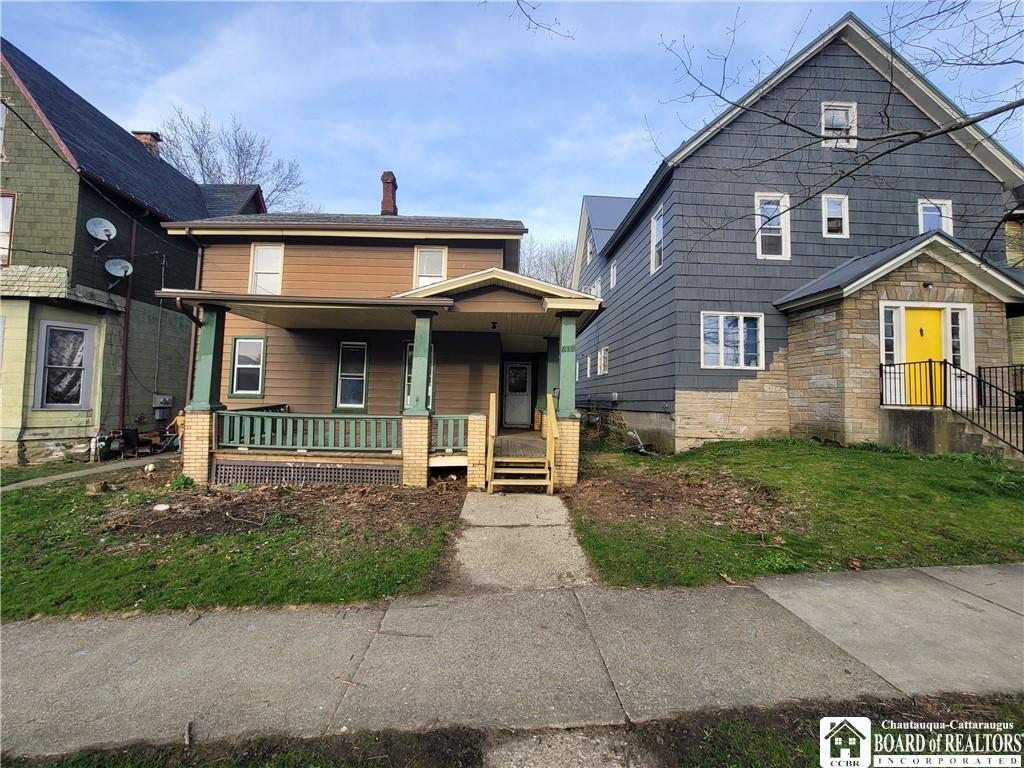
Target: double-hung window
x=731, y=340
x=588, y=366
x=64, y=365
x=595, y=289
x=431, y=265
x=835, y=216
x=657, y=239
x=267, y=263
x=408, y=376
x=351, y=375
x=935, y=215
x=839, y=124
x=771, y=220
x=6, y=227
x=602, y=361
x=247, y=367
x=613, y=274
x=590, y=249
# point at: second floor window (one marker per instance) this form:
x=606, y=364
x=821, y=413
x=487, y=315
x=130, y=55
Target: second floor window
x=267, y=263
x=590, y=249
x=595, y=289
x=613, y=273
x=935, y=215
x=772, y=221
x=657, y=239
x=6, y=227
x=835, y=216
x=431, y=266
x=839, y=124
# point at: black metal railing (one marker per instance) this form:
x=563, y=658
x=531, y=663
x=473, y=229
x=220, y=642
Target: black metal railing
x=1009, y=378
x=983, y=399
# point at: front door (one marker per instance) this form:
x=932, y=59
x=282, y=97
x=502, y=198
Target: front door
x=923, y=342
x=518, y=405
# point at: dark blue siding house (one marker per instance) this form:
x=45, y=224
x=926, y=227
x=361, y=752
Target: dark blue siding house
x=713, y=327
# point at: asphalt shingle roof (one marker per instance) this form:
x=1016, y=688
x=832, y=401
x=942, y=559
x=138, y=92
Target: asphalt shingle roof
x=605, y=214
x=362, y=221
x=226, y=199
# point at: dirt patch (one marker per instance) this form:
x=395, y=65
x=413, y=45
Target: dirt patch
x=720, y=501
x=329, y=509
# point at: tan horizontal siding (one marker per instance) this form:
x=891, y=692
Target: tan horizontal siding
x=337, y=270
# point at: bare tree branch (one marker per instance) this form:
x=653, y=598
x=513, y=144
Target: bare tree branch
x=551, y=261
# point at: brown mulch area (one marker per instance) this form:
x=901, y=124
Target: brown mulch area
x=366, y=509
x=721, y=501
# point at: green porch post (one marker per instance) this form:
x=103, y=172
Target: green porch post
x=567, y=366
x=420, y=361
x=209, y=357
x=551, y=370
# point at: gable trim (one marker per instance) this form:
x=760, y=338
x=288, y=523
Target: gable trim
x=11, y=73
x=581, y=235
x=510, y=279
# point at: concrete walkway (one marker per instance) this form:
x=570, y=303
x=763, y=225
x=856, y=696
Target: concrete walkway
x=518, y=659
x=93, y=469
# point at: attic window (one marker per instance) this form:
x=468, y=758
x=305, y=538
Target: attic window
x=590, y=249
x=839, y=124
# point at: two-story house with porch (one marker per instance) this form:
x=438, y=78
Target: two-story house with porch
x=753, y=288
x=375, y=348
x=88, y=348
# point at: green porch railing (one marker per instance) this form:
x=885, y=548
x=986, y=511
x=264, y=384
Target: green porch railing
x=448, y=433
x=308, y=432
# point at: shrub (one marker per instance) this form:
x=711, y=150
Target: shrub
x=181, y=483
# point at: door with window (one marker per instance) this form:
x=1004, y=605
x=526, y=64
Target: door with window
x=518, y=405
x=911, y=336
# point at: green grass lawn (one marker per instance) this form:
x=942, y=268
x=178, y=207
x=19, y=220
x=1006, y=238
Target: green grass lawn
x=847, y=507
x=13, y=473
x=62, y=556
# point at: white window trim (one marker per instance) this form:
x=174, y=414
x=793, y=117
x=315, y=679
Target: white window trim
x=784, y=215
x=590, y=248
x=845, y=234
x=407, y=378
x=721, y=341
x=577, y=369
x=836, y=143
x=366, y=369
x=946, y=206
x=416, y=265
x=88, y=366
x=658, y=214
x=613, y=273
x=234, y=390
x=595, y=289
x=588, y=366
x=899, y=328
x=602, y=361
x=252, y=266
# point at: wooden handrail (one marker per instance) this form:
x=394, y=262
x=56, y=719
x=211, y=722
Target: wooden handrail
x=492, y=433
x=551, y=420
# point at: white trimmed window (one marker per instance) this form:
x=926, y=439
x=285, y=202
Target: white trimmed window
x=588, y=366
x=602, y=361
x=6, y=227
x=64, y=366
x=595, y=289
x=577, y=369
x=613, y=274
x=935, y=215
x=3, y=125
x=265, y=272
x=408, y=376
x=657, y=239
x=590, y=249
x=839, y=124
x=835, y=216
x=431, y=265
x=732, y=340
x=889, y=327
x=771, y=219
x=351, y=375
x=247, y=367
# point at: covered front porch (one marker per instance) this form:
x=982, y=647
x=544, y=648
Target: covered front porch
x=476, y=372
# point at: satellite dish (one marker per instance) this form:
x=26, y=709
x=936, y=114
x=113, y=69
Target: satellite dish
x=118, y=267
x=100, y=229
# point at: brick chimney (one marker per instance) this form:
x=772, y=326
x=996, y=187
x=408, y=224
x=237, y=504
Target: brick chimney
x=150, y=140
x=389, y=198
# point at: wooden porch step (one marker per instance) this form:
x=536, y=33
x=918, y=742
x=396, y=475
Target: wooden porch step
x=511, y=481
x=521, y=470
x=520, y=459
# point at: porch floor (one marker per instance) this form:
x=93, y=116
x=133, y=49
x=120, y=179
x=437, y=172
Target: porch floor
x=519, y=442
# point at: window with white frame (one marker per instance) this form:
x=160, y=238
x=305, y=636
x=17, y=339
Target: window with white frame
x=577, y=369
x=590, y=249
x=602, y=361
x=6, y=227
x=771, y=220
x=613, y=273
x=407, y=400
x=935, y=215
x=3, y=126
x=889, y=335
x=588, y=366
x=64, y=365
x=835, y=216
x=732, y=340
x=657, y=239
x=267, y=263
x=956, y=337
x=839, y=124
x=247, y=367
x=595, y=289
x=351, y=375
x=431, y=265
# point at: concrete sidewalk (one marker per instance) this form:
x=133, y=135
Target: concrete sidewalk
x=101, y=468
x=523, y=659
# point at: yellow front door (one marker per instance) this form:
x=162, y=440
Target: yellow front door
x=923, y=343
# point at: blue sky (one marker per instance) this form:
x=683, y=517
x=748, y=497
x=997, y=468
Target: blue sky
x=476, y=115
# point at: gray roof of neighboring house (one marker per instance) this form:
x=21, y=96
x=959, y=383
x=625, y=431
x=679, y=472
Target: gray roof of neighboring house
x=227, y=199
x=342, y=221
x=605, y=213
x=105, y=152
x=852, y=270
